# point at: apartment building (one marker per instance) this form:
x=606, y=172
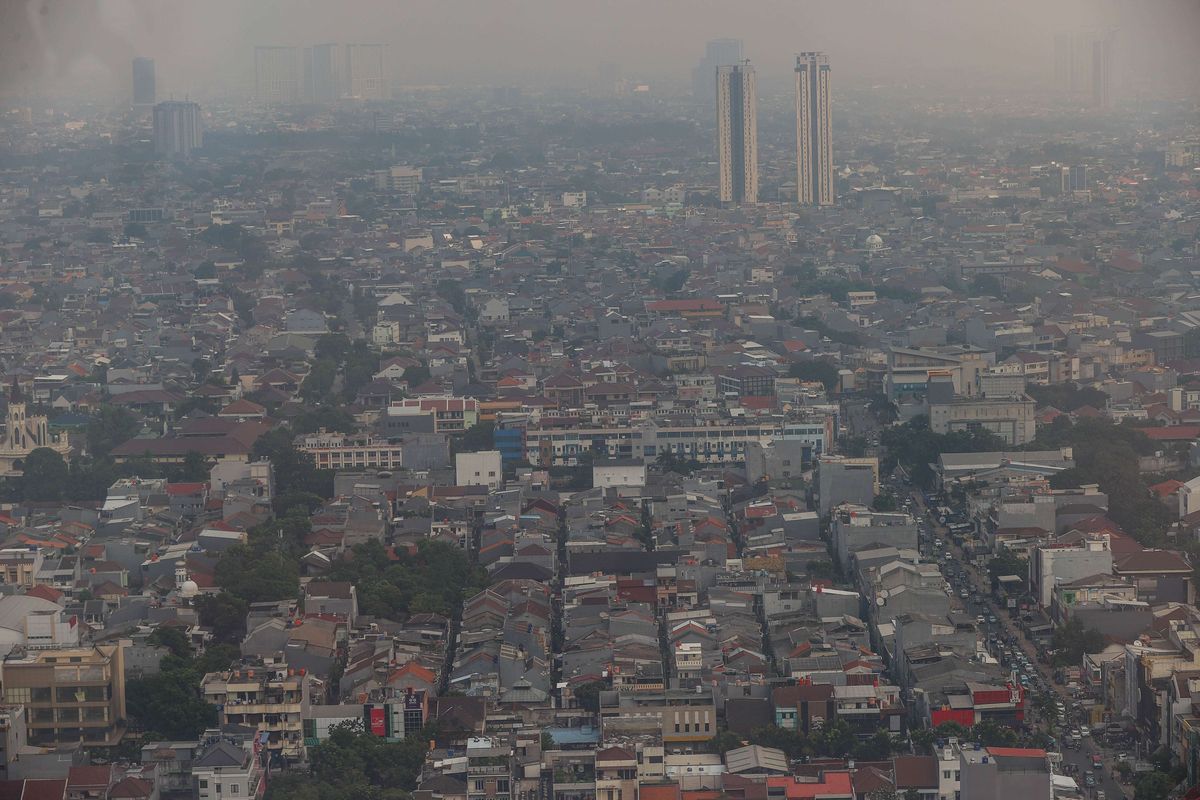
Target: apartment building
x=337, y=451
x=549, y=444
x=1012, y=419
x=70, y=695
x=270, y=698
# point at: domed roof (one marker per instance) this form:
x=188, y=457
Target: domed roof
x=874, y=242
x=189, y=588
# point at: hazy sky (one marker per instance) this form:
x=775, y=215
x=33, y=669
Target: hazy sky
x=205, y=46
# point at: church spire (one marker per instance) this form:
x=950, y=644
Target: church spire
x=14, y=395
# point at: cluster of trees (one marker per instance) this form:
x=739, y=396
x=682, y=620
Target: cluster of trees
x=1107, y=454
x=335, y=354
x=266, y=567
x=1067, y=396
x=295, y=470
x=1006, y=562
x=988, y=734
x=1072, y=640
x=48, y=477
x=436, y=578
x=354, y=765
x=818, y=369
x=836, y=740
x=168, y=706
x=817, y=324
x=915, y=446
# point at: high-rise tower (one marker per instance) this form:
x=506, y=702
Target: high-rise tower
x=716, y=53
x=1102, y=71
x=276, y=75
x=177, y=128
x=737, y=132
x=814, y=131
x=366, y=75
x=322, y=73
x=143, y=81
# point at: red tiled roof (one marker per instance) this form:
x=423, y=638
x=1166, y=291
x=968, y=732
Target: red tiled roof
x=45, y=593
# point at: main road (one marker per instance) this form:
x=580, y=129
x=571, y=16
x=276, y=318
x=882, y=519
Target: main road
x=980, y=587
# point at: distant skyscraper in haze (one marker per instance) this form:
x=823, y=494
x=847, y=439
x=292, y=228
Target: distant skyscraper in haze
x=737, y=132
x=143, y=81
x=322, y=73
x=276, y=75
x=1074, y=179
x=177, y=128
x=717, y=52
x=1102, y=71
x=366, y=74
x=1063, y=61
x=814, y=131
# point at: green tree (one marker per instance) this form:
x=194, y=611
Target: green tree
x=45, y=476
x=818, y=369
x=452, y=292
x=109, y=427
x=1072, y=640
x=294, y=469
x=1006, y=562
x=173, y=639
x=588, y=695
x=885, y=502
x=354, y=764
x=224, y=613
x=1154, y=785
x=193, y=469
x=170, y=703
x=256, y=574
x=477, y=437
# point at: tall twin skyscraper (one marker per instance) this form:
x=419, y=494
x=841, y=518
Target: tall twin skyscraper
x=737, y=131
x=1083, y=63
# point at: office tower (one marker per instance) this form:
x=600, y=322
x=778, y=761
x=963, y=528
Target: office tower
x=322, y=73
x=814, y=131
x=1102, y=71
x=1063, y=58
x=716, y=53
x=365, y=73
x=737, y=132
x=143, y=81
x=177, y=128
x=1078, y=177
x=276, y=75
x=1073, y=179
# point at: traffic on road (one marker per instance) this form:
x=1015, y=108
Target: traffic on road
x=1089, y=753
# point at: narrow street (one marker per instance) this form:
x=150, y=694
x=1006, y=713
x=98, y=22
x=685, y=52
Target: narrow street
x=1106, y=786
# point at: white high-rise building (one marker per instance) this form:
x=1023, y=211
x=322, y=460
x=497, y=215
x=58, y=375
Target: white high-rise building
x=737, y=132
x=276, y=74
x=366, y=75
x=814, y=131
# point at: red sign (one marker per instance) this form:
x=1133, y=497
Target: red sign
x=379, y=721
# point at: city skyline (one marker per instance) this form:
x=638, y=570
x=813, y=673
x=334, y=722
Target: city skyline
x=959, y=47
